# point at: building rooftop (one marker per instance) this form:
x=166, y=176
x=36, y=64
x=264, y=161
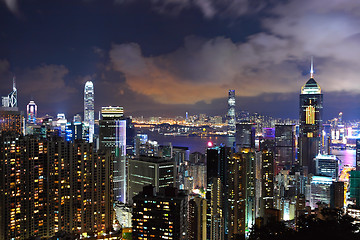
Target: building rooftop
x=311, y=87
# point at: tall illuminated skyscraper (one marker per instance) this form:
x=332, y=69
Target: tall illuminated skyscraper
x=11, y=99
x=241, y=197
x=231, y=112
x=112, y=136
x=11, y=119
x=89, y=108
x=31, y=110
x=311, y=105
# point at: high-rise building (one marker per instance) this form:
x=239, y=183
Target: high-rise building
x=284, y=147
x=311, y=105
x=181, y=157
x=61, y=122
x=290, y=186
x=162, y=215
x=50, y=185
x=156, y=171
x=245, y=136
x=215, y=212
x=354, y=183
x=327, y=165
x=10, y=101
x=31, y=110
x=197, y=171
x=89, y=108
x=357, y=154
x=267, y=183
x=112, y=137
x=241, y=197
x=320, y=191
x=231, y=113
x=10, y=120
x=337, y=195
x=216, y=191
x=197, y=218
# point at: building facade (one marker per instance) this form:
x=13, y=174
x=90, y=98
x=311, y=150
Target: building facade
x=311, y=107
x=89, y=119
x=51, y=185
x=112, y=137
x=162, y=215
x=156, y=171
x=231, y=114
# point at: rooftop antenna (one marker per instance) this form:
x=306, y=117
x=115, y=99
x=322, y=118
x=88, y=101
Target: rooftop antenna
x=14, y=85
x=312, y=67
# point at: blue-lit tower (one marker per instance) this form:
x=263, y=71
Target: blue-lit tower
x=311, y=105
x=89, y=108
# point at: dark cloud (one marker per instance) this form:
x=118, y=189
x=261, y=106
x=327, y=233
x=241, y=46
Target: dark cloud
x=45, y=83
x=4, y=72
x=209, y=8
x=13, y=6
x=267, y=62
x=153, y=64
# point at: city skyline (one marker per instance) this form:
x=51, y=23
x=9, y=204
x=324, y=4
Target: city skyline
x=152, y=59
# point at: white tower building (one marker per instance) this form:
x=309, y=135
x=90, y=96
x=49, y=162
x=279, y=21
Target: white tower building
x=31, y=110
x=89, y=108
x=11, y=99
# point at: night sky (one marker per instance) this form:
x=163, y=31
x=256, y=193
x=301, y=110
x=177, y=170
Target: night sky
x=165, y=57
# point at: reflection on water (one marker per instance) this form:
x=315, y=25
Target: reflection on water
x=199, y=144
x=347, y=157
x=195, y=144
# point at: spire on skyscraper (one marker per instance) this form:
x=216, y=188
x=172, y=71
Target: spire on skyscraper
x=312, y=67
x=14, y=85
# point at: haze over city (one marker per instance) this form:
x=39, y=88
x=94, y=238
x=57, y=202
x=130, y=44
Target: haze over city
x=179, y=119
x=165, y=58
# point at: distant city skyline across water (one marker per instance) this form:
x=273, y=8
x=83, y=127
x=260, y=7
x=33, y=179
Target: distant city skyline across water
x=199, y=144
x=195, y=143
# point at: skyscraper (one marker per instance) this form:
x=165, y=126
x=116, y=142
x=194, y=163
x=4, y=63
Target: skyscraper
x=267, y=183
x=357, y=154
x=311, y=105
x=89, y=108
x=241, y=197
x=216, y=191
x=31, y=110
x=197, y=218
x=11, y=119
x=112, y=136
x=245, y=136
x=327, y=165
x=284, y=146
x=156, y=171
x=11, y=99
x=231, y=112
x=162, y=215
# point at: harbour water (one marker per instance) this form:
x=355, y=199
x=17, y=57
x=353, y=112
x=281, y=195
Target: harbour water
x=194, y=143
x=347, y=157
x=199, y=144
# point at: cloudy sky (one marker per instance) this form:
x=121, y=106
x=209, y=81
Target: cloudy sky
x=165, y=57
